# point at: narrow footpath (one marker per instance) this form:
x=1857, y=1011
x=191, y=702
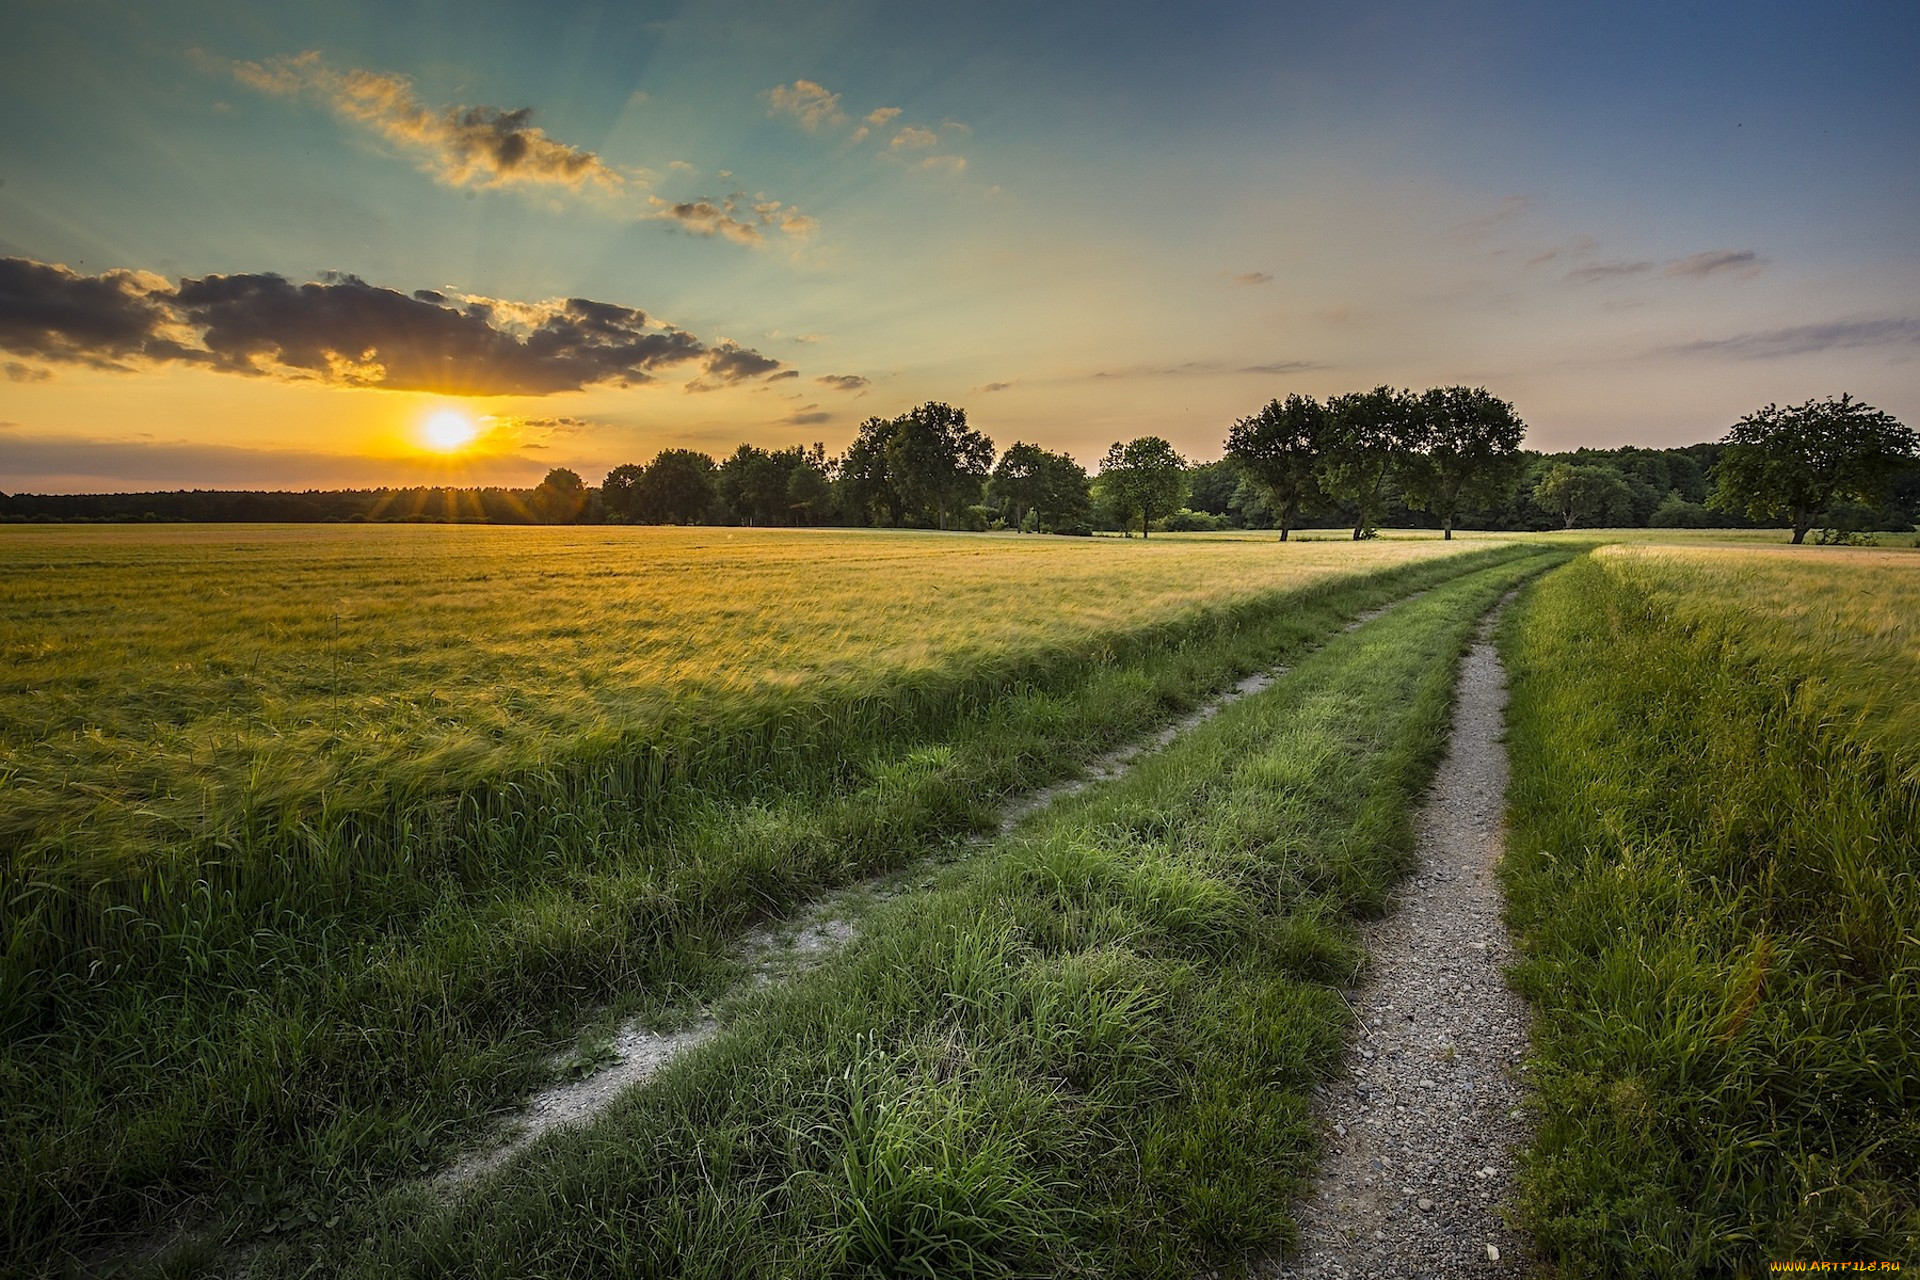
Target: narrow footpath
x=1421, y=1127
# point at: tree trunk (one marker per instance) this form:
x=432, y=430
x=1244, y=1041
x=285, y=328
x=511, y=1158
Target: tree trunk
x=1143, y=524
x=1446, y=528
x=1800, y=533
x=1357, y=529
x=1569, y=519
x=1286, y=519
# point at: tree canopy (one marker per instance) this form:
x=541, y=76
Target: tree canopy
x=1035, y=488
x=1281, y=449
x=1144, y=478
x=1798, y=461
x=1465, y=450
x=1371, y=432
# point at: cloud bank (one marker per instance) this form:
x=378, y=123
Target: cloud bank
x=342, y=331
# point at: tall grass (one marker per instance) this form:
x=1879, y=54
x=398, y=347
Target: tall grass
x=1089, y=1051
x=329, y=995
x=1713, y=872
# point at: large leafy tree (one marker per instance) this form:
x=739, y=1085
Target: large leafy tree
x=1465, y=453
x=676, y=488
x=619, y=492
x=1372, y=432
x=1144, y=479
x=1580, y=492
x=1281, y=449
x=936, y=462
x=1797, y=461
x=1049, y=487
x=867, y=494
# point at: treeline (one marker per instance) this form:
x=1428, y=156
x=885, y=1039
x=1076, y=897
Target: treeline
x=1443, y=458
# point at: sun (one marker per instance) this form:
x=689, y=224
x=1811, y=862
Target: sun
x=448, y=430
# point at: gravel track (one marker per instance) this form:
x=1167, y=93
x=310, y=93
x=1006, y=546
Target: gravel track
x=1421, y=1127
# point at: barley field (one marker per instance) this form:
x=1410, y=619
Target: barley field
x=317, y=840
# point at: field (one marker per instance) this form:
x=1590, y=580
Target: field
x=318, y=839
x=1714, y=875
x=320, y=842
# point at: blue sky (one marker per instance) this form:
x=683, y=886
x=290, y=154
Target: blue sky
x=1082, y=223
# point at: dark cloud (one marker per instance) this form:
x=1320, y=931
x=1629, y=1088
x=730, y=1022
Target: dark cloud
x=17, y=372
x=1742, y=262
x=344, y=331
x=844, y=382
x=101, y=321
x=1799, y=340
x=731, y=362
x=1608, y=271
x=784, y=374
x=809, y=416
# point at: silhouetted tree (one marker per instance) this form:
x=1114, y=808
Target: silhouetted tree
x=561, y=497
x=619, y=492
x=676, y=488
x=1798, y=461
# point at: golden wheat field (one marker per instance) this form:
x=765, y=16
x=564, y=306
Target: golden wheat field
x=155, y=675
x=1849, y=616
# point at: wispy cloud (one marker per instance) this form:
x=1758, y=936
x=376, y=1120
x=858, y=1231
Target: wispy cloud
x=844, y=382
x=1805, y=339
x=816, y=108
x=489, y=147
x=1253, y=277
x=461, y=146
x=1205, y=368
x=878, y=118
x=988, y=388
x=1608, y=271
x=812, y=106
x=1740, y=262
x=811, y=415
x=342, y=331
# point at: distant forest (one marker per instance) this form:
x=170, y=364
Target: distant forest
x=1620, y=488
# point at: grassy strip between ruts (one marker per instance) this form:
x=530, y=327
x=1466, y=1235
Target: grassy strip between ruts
x=1089, y=1051
x=1713, y=880
x=293, y=1060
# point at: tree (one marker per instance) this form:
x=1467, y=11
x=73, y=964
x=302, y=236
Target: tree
x=1372, y=431
x=619, y=492
x=810, y=485
x=1798, y=461
x=561, y=497
x=1281, y=449
x=676, y=488
x=1144, y=478
x=1575, y=492
x=867, y=493
x=1033, y=485
x=935, y=462
x=1467, y=450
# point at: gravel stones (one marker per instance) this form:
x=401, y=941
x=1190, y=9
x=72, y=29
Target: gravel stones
x=1420, y=1129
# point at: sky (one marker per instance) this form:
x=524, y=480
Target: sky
x=253, y=245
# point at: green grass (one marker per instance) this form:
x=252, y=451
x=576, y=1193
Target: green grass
x=1087, y=1051
x=1712, y=876
x=316, y=1002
